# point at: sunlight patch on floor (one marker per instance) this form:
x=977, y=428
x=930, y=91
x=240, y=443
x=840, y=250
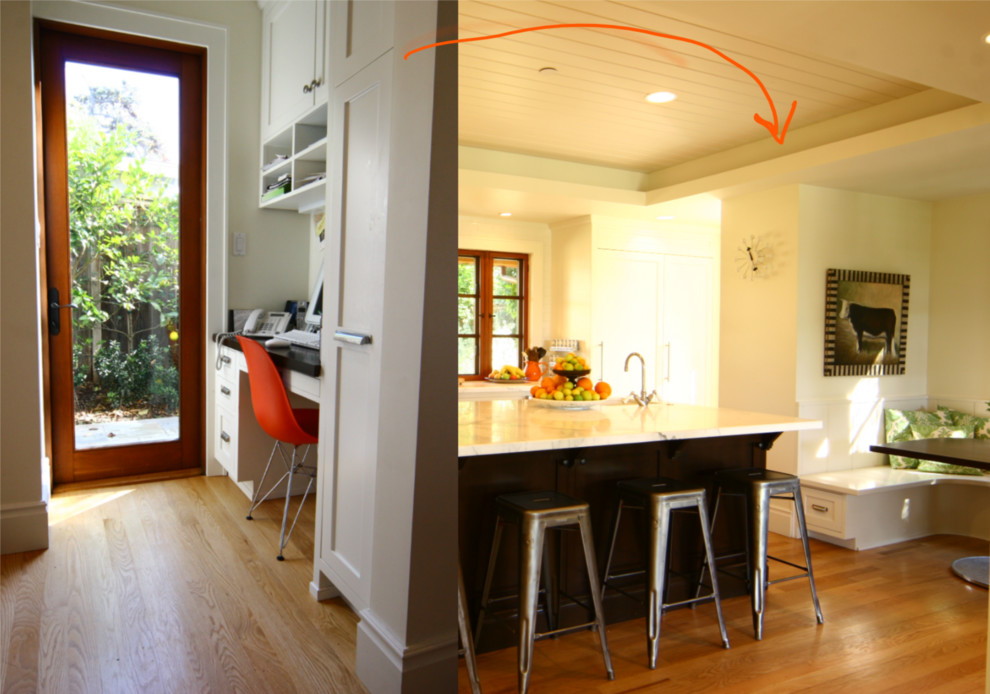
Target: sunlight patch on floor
x=62, y=507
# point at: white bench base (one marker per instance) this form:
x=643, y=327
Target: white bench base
x=875, y=506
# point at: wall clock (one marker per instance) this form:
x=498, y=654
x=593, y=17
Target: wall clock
x=753, y=258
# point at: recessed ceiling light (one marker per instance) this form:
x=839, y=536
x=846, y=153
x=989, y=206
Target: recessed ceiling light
x=660, y=97
x=504, y=214
x=986, y=39
x=547, y=70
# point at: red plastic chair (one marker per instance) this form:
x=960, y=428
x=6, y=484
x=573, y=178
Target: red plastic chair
x=294, y=426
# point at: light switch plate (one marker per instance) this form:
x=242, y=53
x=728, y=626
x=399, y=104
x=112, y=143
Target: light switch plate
x=240, y=243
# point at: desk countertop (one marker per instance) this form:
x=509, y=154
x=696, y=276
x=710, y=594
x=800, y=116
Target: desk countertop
x=488, y=427
x=300, y=359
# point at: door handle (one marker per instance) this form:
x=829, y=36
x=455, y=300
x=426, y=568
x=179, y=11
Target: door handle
x=54, y=311
x=351, y=337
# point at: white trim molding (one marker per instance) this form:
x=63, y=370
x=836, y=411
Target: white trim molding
x=24, y=526
x=385, y=664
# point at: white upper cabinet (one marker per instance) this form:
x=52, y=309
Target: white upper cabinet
x=360, y=32
x=294, y=62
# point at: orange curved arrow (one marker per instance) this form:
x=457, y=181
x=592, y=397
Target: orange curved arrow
x=773, y=126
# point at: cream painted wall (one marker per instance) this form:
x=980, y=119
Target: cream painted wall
x=855, y=231
x=276, y=266
x=24, y=483
x=759, y=318
x=958, y=365
x=508, y=236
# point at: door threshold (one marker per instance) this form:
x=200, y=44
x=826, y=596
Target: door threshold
x=130, y=479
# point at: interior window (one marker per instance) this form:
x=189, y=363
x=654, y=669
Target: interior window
x=492, y=311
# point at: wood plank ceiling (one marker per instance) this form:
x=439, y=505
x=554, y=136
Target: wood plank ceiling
x=591, y=108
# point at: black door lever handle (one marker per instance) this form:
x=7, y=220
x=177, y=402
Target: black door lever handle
x=54, y=317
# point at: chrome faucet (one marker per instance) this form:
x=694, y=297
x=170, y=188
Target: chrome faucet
x=642, y=398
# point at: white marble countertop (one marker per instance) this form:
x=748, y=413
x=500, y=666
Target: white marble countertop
x=488, y=427
x=487, y=390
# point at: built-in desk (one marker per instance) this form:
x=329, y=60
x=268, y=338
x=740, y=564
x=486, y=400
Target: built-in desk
x=240, y=445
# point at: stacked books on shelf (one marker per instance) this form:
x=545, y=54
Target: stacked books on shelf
x=280, y=186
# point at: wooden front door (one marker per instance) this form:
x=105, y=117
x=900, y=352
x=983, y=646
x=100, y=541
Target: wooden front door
x=123, y=159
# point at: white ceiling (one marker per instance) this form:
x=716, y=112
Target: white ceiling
x=882, y=61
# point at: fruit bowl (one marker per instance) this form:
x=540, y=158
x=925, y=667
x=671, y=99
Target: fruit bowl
x=572, y=375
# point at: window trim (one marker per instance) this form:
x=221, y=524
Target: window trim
x=483, y=322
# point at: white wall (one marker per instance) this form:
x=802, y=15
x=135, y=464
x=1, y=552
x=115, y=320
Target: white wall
x=959, y=339
x=276, y=265
x=24, y=483
x=758, y=318
x=856, y=231
x=510, y=236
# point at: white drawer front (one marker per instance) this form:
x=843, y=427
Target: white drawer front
x=225, y=443
x=227, y=394
x=823, y=510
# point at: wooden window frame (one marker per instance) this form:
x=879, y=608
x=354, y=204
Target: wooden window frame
x=484, y=313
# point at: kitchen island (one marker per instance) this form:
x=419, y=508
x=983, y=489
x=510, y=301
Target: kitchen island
x=513, y=445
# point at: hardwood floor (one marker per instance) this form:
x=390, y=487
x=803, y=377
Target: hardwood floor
x=896, y=620
x=166, y=587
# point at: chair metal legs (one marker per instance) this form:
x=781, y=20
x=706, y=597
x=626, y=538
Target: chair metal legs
x=292, y=466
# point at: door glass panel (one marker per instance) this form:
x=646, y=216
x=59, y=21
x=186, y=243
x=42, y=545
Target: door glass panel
x=467, y=275
x=505, y=350
x=506, y=320
x=123, y=164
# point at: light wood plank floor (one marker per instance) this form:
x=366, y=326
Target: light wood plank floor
x=896, y=620
x=166, y=587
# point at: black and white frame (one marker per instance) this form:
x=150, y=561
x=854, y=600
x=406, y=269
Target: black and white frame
x=866, y=319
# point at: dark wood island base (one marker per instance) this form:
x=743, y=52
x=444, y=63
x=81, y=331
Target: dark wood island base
x=591, y=473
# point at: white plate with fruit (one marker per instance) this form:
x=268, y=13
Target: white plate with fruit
x=570, y=389
x=508, y=374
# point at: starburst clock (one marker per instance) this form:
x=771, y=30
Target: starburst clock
x=753, y=258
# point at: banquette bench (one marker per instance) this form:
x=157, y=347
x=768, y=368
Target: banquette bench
x=874, y=506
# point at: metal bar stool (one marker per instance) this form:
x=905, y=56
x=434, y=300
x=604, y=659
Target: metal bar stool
x=758, y=486
x=535, y=513
x=660, y=497
x=467, y=643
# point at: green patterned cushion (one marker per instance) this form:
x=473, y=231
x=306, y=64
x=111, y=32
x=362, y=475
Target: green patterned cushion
x=980, y=425
x=899, y=426
x=947, y=432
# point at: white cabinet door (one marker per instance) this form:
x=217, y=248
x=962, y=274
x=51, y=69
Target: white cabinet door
x=659, y=306
x=355, y=278
x=293, y=62
x=360, y=31
x=685, y=367
x=627, y=304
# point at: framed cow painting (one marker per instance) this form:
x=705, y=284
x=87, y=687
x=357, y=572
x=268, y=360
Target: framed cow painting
x=866, y=319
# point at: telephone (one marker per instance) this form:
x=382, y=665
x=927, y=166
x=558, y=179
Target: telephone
x=263, y=323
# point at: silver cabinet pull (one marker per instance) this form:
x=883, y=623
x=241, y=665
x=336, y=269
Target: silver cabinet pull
x=225, y=437
x=819, y=508
x=350, y=337
x=225, y=390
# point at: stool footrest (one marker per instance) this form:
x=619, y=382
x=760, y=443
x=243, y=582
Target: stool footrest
x=565, y=630
x=789, y=563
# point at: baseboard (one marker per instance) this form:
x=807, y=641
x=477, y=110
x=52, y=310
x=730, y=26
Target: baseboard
x=24, y=527
x=386, y=666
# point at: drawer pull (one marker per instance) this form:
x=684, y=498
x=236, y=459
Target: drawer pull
x=225, y=359
x=819, y=508
x=225, y=390
x=225, y=437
